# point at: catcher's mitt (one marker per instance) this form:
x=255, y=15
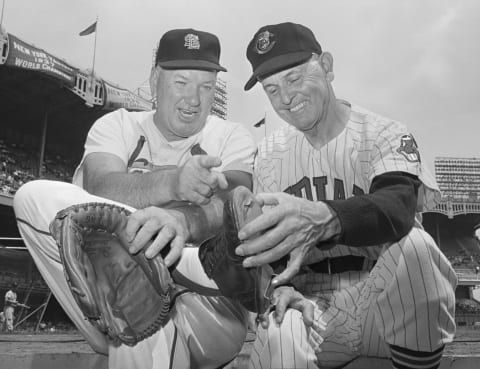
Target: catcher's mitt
x=125, y=296
x=249, y=286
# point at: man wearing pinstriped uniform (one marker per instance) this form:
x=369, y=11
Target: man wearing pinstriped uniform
x=343, y=190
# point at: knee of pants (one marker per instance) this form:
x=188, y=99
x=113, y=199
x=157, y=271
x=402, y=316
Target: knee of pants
x=40, y=195
x=291, y=326
x=26, y=194
x=419, y=248
x=214, y=327
x=419, y=259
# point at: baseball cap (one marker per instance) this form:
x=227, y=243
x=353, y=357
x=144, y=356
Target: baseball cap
x=189, y=49
x=277, y=47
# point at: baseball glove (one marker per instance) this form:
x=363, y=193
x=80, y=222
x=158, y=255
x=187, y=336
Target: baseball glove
x=125, y=296
x=249, y=286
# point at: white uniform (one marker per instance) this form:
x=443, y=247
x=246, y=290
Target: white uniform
x=204, y=332
x=9, y=309
x=406, y=300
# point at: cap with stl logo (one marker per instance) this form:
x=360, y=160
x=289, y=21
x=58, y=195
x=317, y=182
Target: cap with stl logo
x=189, y=49
x=277, y=47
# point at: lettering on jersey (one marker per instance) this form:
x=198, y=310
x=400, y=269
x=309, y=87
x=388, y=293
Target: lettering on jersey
x=357, y=191
x=305, y=189
x=409, y=149
x=320, y=183
x=338, y=189
x=302, y=188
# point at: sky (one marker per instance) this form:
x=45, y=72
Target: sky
x=412, y=61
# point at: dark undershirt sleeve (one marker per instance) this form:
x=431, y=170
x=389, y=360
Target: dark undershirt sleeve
x=385, y=214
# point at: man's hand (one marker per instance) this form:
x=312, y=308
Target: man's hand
x=285, y=297
x=165, y=225
x=293, y=226
x=197, y=181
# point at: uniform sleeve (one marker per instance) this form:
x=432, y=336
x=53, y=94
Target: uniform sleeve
x=106, y=135
x=396, y=150
x=385, y=214
x=238, y=151
x=264, y=171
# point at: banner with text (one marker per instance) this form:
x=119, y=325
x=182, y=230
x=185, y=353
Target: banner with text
x=25, y=56
x=116, y=98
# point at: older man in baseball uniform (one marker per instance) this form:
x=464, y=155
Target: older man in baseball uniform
x=345, y=188
x=175, y=153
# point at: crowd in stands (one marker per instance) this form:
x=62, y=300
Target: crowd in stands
x=19, y=164
x=464, y=261
x=467, y=306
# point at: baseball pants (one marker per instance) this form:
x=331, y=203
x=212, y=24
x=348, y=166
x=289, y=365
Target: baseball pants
x=9, y=317
x=406, y=300
x=204, y=332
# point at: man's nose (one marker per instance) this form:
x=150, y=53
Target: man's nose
x=193, y=96
x=286, y=96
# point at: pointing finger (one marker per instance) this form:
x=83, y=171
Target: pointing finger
x=207, y=161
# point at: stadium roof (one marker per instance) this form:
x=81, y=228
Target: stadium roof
x=37, y=87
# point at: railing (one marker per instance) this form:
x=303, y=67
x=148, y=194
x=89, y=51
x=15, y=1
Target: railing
x=90, y=89
x=452, y=208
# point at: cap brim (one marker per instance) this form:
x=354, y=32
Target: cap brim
x=277, y=64
x=191, y=64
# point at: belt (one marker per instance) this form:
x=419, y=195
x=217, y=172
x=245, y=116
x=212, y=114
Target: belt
x=338, y=265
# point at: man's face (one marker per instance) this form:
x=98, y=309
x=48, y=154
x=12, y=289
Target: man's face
x=184, y=98
x=300, y=95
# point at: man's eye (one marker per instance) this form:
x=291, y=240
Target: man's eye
x=272, y=91
x=180, y=83
x=208, y=87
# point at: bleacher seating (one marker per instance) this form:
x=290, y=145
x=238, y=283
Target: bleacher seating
x=18, y=165
x=467, y=306
x=460, y=247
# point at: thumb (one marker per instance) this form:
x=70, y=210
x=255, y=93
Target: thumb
x=207, y=161
x=221, y=180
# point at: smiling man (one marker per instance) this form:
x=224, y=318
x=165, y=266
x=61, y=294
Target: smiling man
x=344, y=189
x=176, y=154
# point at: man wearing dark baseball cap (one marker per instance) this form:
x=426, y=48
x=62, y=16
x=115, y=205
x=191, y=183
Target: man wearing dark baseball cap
x=146, y=162
x=189, y=49
x=356, y=178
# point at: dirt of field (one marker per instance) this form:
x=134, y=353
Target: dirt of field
x=466, y=343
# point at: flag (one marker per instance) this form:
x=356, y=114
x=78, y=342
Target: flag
x=260, y=123
x=90, y=29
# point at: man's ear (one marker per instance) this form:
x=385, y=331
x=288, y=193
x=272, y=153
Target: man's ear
x=326, y=61
x=153, y=81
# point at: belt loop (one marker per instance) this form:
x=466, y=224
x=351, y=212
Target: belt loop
x=329, y=266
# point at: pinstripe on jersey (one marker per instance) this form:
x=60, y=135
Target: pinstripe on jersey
x=406, y=300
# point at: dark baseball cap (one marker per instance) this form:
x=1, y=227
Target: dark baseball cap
x=277, y=47
x=189, y=49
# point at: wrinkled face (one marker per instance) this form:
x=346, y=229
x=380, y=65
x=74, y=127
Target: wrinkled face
x=184, y=98
x=300, y=95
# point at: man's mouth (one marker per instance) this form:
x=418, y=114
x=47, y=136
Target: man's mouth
x=297, y=107
x=187, y=114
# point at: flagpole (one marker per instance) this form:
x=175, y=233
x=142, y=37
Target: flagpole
x=1, y=18
x=95, y=46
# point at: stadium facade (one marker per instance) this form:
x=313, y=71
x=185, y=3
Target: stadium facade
x=458, y=178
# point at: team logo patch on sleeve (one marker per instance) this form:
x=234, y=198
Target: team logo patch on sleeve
x=409, y=149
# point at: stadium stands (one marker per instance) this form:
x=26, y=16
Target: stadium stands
x=19, y=164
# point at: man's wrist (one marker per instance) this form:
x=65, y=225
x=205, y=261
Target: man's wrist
x=332, y=227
